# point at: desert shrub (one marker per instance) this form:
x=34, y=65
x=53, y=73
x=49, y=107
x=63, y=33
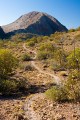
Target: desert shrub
x=29, y=68
x=22, y=66
x=71, y=30
x=42, y=55
x=57, y=67
x=69, y=91
x=7, y=87
x=26, y=57
x=47, y=47
x=31, y=42
x=7, y=63
x=11, y=87
x=1, y=43
x=60, y=56
x=73, y=60
x=46, y=51
x=78, y=29
x=39, y=39
x=22, y=85
x=56, y=94
x=72, y=86
x=56, y=35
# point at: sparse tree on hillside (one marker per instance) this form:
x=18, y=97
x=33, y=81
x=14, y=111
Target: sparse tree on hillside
x=74, y=59
x=7, y=62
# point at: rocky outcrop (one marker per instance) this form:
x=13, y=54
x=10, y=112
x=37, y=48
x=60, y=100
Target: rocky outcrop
x=2, y=34
x=35, y=23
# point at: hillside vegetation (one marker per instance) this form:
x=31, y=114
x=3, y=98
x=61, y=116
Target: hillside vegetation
x=58, y=52
x=41, y=64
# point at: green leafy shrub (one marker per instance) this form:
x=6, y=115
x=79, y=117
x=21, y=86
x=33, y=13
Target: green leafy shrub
x=72, y=86
x=71, y=30
x=31, y=42
x=26, y=57
x=45, y=51
x=42, y=55
x=8, y=87
x=39, y=39
x=60, y=56
x=47, y=47
x=22, y=85
x=11, y=87
x=56, y=94
x=57, y=67
x=73, y=60
x=7, y=63
x=70, y=91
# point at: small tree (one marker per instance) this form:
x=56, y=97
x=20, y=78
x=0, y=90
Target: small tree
x=72, y=86
x=60, y=56
x=73, y=61
x=26, y=57
x=47, y=47
x=42, y=55
x=7, y=62
x=56, y=94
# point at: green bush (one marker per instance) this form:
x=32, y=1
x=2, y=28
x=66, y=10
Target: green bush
x=47, y=47
x=7, y=63
x=73, y=60
x=60, y=57
x=58, y=67
x=31, y=42
x=70, y=91
x=56, y=94
x=26, y=57
x=22, y=85
x=39, y=39
x=46, y=51
x=8, y=87
x=72, y=86
x=71, y=30
x=42, y=55
x=11, y=87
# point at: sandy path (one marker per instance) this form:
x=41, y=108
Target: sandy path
x=28, y=108
x=56, y=78
x=29, y=111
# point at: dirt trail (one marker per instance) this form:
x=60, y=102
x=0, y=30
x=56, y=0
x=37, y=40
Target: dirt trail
x=56, y=78
x=29, y=111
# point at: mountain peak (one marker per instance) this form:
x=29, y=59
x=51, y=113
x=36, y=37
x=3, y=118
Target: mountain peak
x=35, y=22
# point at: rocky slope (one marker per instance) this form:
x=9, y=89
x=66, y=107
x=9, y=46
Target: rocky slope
x=2, y=34
x=35, y=23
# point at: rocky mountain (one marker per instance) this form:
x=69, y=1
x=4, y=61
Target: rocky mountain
x=2, y=34
x=35, y=23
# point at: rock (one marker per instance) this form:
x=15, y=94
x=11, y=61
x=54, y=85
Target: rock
x=36, y=23
x=2, y=34
x=20, y=117
x=59, y=117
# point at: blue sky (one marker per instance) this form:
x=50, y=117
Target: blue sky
x=66, y=11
